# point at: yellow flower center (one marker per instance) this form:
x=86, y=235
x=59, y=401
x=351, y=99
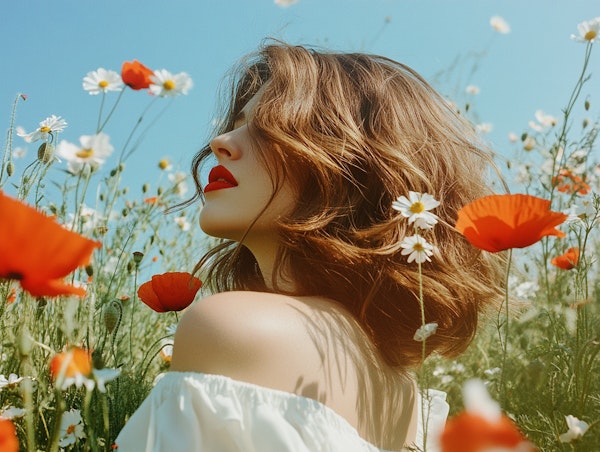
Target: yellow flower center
x=70, y=429
x=85, y=153
x=590, y=35
x=102, y=83
x=45, y=129
x=418, y=247
x=168, y=85
x=417, y=207
x=163, y=164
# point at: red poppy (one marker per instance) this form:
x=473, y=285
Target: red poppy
x=499, y=222
x=73, y=362
x=568, y=182
x=469, y=432
x=568, y=260
x=136, y=75
x=39, y=252
x=8, y=436
x=171, y=291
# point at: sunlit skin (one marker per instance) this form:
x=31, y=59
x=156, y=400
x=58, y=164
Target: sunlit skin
x=250, y=336
x=230, y=212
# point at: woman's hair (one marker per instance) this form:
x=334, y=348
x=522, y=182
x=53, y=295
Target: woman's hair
x=351, y=132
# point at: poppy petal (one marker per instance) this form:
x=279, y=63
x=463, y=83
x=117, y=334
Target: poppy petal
x=176, y=290
x=469, y=432
x=171, y=291
x=36, y=249
x=499, y=222
x=136, y=75
x=9, y=442
x=568, y=260
x=149, y=297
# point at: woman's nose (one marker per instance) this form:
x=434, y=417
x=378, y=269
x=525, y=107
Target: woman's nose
x=224, y=147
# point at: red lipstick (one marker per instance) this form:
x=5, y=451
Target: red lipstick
x=220, y=178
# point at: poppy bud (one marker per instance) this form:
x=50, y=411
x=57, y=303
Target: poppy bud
x=25, y=343
x=586, y=105
x=137, y=257
x=136, y=75
x=111, y=315
x=159, y=191
x=145, y=188
x=10, y=168
x=89, y=270
x=45, y=152
x=586, y=121
x=97, y=359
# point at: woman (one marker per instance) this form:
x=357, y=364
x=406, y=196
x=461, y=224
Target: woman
x=307, y=342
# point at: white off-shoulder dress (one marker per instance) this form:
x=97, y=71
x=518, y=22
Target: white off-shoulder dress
x=190, y=411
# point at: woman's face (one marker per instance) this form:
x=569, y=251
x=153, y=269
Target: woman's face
x=239, y=187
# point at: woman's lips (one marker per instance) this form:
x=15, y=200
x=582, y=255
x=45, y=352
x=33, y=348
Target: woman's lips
x=220, y=178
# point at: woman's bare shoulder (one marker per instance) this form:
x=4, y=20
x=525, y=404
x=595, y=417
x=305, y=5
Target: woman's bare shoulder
x=257, y=337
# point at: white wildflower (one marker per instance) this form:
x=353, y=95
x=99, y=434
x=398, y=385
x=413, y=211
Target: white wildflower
x=425, y=331
x=417, y=209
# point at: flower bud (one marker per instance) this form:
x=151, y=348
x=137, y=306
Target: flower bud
x=25, y=343
x=585, y=123
x=45, y=152
x=89, y=270
x=586, y=105
x=10, y=168
x=137, y=257
x=111, y=314
x=145, y=188
x=159, y=191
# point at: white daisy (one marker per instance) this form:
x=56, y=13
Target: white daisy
x=589, y=31
x=179, y=181
x=12, y=381
x=478, y=401
x=101, y=81
x=576, y=430
x=484, y=127
x=71, y=428
x=48, y=127
x=165, y=84
x=472, y=89
x=425, y=331
x=92, y=152
x=417, y=249
x=12, y=413
x=500, y=25
x=103, y=376
x=416, y=208
x=183, y=224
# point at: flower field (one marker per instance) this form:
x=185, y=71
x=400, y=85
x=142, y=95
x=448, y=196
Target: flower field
x=93, y=274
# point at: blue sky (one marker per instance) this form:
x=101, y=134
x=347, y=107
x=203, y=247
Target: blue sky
x=48, y=47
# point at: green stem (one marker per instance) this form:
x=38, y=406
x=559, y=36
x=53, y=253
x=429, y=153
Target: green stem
x=7, y=157
x=112, y=110
x=506, y=331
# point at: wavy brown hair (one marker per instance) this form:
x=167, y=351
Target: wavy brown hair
x=351, y=132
